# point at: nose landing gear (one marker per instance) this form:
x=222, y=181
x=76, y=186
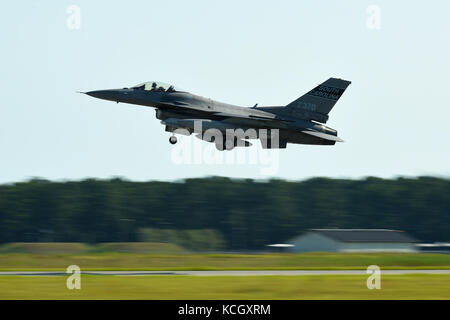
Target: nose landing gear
x=173, y=140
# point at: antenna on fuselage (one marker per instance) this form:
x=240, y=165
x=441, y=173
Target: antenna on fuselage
x=254, y=106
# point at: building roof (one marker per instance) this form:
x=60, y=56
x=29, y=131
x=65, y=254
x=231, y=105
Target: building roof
x=280, y=245
x=365, y=235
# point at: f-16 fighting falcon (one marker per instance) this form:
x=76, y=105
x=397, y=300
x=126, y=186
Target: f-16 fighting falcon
x=228, y=126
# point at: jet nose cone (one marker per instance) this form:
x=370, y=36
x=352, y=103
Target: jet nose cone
x=111, y=94
x=117, y=95
x=100, y=94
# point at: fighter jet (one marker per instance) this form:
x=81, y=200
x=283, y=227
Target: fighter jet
x=228, y=126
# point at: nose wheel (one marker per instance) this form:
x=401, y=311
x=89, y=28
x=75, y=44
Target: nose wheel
x=173, y=140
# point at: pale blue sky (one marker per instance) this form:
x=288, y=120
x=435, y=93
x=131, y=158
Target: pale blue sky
x=393, y=117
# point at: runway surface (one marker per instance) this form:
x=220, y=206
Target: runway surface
x=224, y=273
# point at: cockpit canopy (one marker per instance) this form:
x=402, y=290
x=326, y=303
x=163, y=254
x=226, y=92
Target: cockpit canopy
x=156, y=86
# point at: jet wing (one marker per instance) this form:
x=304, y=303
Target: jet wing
x=323, y=135
x=244, y=116
x=249, y=116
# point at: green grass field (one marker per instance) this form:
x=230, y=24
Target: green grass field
x=135, y=261
x=164, y=256
x=83, y=248
x=226, y=287
x=156, y=256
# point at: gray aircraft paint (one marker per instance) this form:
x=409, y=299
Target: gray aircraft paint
x=299, y=122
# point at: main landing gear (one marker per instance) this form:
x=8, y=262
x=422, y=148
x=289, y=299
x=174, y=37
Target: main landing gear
x=173, y=140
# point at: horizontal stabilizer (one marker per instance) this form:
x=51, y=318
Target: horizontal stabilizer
x=323, y=136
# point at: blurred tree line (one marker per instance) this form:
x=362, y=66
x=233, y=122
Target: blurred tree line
x=219, y=213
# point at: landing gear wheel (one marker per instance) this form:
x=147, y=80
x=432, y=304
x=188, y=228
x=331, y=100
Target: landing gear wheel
x=173, y=140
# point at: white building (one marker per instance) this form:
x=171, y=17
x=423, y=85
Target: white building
x=353, y=240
